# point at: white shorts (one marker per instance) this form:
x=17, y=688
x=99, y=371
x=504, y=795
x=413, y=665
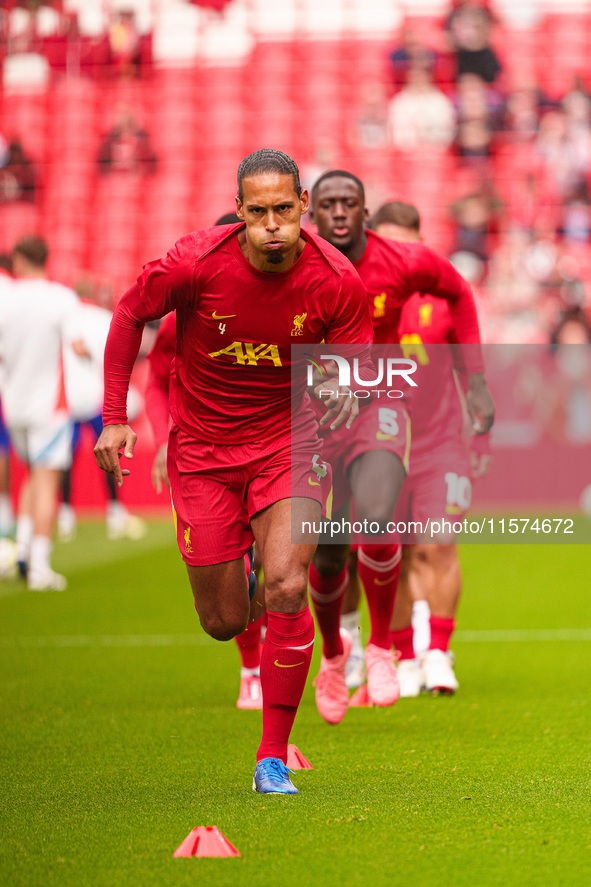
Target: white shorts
x=44, y=446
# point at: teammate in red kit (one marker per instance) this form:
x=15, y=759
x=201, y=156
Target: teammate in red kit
x=374, y=462
x=439, y=481
x=239, y=292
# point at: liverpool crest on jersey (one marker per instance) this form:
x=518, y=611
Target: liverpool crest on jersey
x=298, y=324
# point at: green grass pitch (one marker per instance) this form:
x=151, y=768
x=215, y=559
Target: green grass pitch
x=119, y=734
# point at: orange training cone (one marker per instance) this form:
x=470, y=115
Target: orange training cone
x=296, y=760
x=206, y=840
x=360, y=698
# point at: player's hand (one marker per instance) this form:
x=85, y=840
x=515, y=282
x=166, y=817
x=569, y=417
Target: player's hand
x=113, y=439
x=159, y=471
x=480, y=404
x=479, y=464
x=341, y=405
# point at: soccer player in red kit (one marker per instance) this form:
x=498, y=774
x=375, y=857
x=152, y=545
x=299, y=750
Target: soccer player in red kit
x=376, y=468
x=239, y=293
x=157, y=409
x=439, y=481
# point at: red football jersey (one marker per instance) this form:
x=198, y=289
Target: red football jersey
x=235, y=328
x=158, y=385
x=392, y=271
x=436, y=409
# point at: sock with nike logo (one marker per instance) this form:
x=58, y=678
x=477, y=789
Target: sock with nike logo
x=285, y=662
x=379, y=569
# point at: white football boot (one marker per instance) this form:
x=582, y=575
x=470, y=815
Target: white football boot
x=410, y=677
x=439, y=673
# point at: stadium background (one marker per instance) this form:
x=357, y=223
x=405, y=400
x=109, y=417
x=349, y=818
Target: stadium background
x=210, y=81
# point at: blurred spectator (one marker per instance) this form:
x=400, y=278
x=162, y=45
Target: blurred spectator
x=575, y=224
x=564, y=148
x=566, y=402
x=324, y=156
x=409, y=53
x=420, y=115
x=476, y=216
x=523, y=109
x=572, y=328
x=468, y=29
x=125, y=43
x=476, y=100
x=127, y=148
x=27, y=23
x=528, y=209
x=577, y=104
x=480, y=113
x=370, y=128
x=17, y=176
x=474, y=140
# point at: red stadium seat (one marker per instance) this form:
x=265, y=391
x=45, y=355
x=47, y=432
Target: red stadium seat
x=17, y=220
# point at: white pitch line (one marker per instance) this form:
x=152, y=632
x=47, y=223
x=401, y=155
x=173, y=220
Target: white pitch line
x=515, y=635
x=518, y=635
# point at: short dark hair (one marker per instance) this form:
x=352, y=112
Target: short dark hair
x=5, y=263
x=268, y=160
x=33, y=249
x=338, y=173
x=228, y=219
x=396, y=212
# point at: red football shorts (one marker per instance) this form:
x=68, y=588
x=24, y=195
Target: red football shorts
x=380, y=425
x=216, y=490
x=437, y=488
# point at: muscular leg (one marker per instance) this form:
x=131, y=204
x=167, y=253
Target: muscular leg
x=44, y=485
x=221, y=598
x=439, y=571
x=287, y=650
x=409, y=592
x=328, y=583
x=376, y=481
x=353, y=592
x=376, y=478
x=439, y=566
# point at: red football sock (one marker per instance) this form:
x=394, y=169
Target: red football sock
x=249, y=644
x=285, y=662
x=442, y=628
x=402, y=641
x=327, y=594
x=379, y=569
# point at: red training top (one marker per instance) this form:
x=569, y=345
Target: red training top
x=426, y=332
x=157, y=393
x=235, y=328
x=392, y=271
